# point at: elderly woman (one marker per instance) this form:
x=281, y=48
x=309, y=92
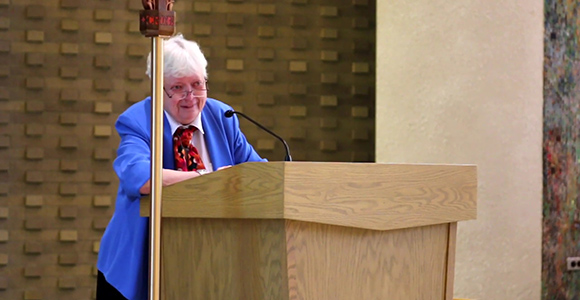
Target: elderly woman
x=197, y=138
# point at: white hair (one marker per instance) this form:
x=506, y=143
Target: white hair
x=181, y=58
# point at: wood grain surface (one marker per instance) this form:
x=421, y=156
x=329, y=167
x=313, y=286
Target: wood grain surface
x=334, y=263
x=223, y=259
x=451, y=244
x=305, y=231
x=379, y=196
x=283, y=259
x=252, y=190
x=364, y=195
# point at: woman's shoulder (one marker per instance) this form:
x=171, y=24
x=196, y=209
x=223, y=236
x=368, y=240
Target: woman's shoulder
x=137, y=113
x=138, y=107
x=216, y=105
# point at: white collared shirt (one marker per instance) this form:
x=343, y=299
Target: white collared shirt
x=198, y=141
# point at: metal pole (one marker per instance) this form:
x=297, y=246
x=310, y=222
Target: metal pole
x=156, y=167
x=156, y=21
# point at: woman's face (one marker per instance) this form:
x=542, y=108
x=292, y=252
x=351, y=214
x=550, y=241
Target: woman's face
x=185, y=97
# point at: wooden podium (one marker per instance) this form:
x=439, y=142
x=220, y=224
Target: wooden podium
x=315, y=231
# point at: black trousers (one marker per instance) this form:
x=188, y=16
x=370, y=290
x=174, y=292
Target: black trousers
x=105, y=291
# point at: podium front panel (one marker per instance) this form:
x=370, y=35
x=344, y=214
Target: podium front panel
x=260, y=259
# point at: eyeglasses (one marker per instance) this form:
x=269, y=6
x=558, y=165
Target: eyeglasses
x=178, y=90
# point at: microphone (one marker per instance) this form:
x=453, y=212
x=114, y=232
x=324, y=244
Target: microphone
x=230, y=113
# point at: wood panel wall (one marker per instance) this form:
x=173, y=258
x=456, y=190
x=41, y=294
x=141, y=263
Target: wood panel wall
x=68, y=68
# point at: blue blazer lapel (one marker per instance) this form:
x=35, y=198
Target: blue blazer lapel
x=168, y=157
x=214, y=143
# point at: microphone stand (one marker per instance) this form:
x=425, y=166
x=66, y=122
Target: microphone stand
x=230, y=113
x=156, y=21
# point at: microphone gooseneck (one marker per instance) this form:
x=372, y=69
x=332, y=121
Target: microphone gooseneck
x=230, y=113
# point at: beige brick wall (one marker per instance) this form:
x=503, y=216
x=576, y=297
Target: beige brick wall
x=68, y=68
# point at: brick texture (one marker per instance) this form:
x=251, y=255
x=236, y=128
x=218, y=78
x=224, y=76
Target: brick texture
x=303, y=68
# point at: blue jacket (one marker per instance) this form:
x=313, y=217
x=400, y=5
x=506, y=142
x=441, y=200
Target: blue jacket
x=123, y=256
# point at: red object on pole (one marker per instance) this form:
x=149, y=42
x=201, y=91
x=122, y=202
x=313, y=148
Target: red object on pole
x=157, y=18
